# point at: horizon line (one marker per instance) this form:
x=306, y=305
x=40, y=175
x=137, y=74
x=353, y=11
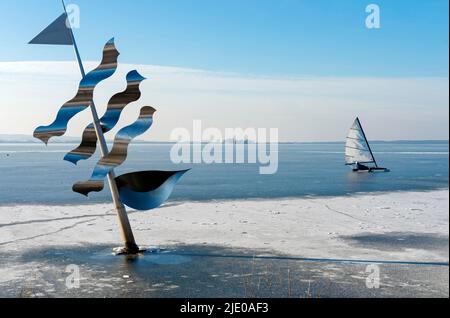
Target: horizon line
x=62, y=141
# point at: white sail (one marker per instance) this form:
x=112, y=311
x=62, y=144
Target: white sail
x=357, y=149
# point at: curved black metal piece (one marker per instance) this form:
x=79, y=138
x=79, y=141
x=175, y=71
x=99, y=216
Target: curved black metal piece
x=147, y=190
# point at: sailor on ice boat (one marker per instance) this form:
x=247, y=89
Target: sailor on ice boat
x=358, y=152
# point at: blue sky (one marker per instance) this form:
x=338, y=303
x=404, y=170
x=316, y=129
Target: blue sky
x=307, y=67
x=260, y=37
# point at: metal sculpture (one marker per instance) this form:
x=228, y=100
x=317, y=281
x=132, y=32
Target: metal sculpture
x=143, y=190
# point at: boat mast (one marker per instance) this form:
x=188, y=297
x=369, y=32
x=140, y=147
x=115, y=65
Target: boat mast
x=367, y=142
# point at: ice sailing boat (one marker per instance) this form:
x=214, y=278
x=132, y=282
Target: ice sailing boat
x=358, y=152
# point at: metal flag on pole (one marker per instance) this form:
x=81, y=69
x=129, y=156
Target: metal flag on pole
x=56, y=33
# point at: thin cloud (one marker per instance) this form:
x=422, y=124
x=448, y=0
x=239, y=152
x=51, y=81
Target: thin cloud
x=304, y=108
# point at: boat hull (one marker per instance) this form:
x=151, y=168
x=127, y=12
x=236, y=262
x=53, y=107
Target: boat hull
x=379, y=170
x=372, y=170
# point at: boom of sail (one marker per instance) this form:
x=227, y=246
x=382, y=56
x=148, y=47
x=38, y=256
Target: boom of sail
x=357, y=148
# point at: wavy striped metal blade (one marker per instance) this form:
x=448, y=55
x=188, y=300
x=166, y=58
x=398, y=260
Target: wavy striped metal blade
x=118, y=154
x=147, y=190
x=84, y=96
x=115, y=107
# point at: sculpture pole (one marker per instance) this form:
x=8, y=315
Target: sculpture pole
x=127, y=233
